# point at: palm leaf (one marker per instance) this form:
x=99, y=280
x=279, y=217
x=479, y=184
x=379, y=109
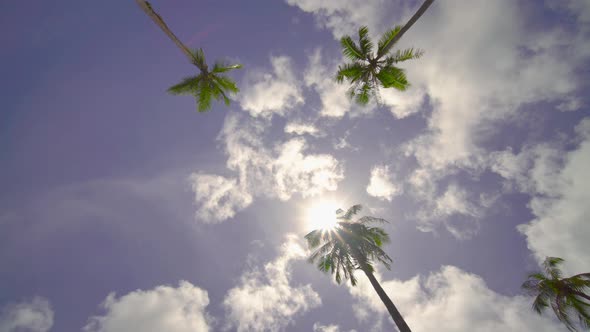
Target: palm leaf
x=404, y=55
x=350, y=49
x=386, y=40
x=366, y=46
x=393, y=77
x=220, y=67
x=188, y=86
x=351, y=71
x=204, y=96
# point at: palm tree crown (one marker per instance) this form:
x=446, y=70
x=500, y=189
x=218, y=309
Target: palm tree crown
x=565, y=295
x=354, y=245
x=369, y=71
x=209, y=84
x=350, y=246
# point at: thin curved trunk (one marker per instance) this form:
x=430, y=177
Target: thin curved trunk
x=407, y=26
x=395, y=314
x=147, y=8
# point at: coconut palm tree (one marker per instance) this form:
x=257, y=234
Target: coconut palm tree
x=350, y=246
x=565, y=295
x=368, y=71
x=208, y=84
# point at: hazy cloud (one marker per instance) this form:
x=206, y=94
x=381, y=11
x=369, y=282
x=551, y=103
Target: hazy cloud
x=35, y=316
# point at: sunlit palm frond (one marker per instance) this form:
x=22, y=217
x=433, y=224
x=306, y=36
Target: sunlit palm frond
x=385, y=40
x=221, y=67
x=351, y=212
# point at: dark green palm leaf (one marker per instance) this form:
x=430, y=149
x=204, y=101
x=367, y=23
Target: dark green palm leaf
x=187, y=86
x=351, y=50
x=366, y=46
x=393, y=77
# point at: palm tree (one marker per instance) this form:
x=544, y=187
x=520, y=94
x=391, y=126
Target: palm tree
x=209, y=84
x=368, y=71
x=565, y=295
x=350, y=246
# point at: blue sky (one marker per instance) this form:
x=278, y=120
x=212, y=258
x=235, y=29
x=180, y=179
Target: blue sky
x=123, y=209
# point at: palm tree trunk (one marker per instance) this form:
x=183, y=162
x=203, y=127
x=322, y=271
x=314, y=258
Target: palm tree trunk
x=407, y=26
x=147, y=8
x=395, y=314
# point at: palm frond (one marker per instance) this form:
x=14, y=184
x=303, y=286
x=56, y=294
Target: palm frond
x=404, y=55
x=221, y=67
x=366, y=46
x=187, y=86
x=199, y=59
x=226, y=83
x=370, y=220
x=386, y=40
x=351, y=212
x=204, y=96
x=351, y=71
x=363, y=95
x=393, y=77
x=350, y=49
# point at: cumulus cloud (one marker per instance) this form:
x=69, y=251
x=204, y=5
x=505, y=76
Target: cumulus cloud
x=560, y=205
x=278, y=171
x=450, y=300
x=266, y=93
x=381, y=184
x=265, y=300
x=163, y=308
x=35, y=316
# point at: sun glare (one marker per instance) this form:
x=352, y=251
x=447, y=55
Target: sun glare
x=322, y=215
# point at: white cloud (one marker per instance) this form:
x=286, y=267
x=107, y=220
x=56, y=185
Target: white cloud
x=34, y=316
x=266, y=94
x=403, y=103
x=343, y=17
x=450, y=300
x=308, y=175
x=299, y=128
x=276, y=172
x=163, y=308
x=561, y=227
x=381, y=185
x=218, y=196
x=319, y=76
x=265, y=300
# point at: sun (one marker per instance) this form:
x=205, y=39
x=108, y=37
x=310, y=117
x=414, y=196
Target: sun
x=322, y=215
